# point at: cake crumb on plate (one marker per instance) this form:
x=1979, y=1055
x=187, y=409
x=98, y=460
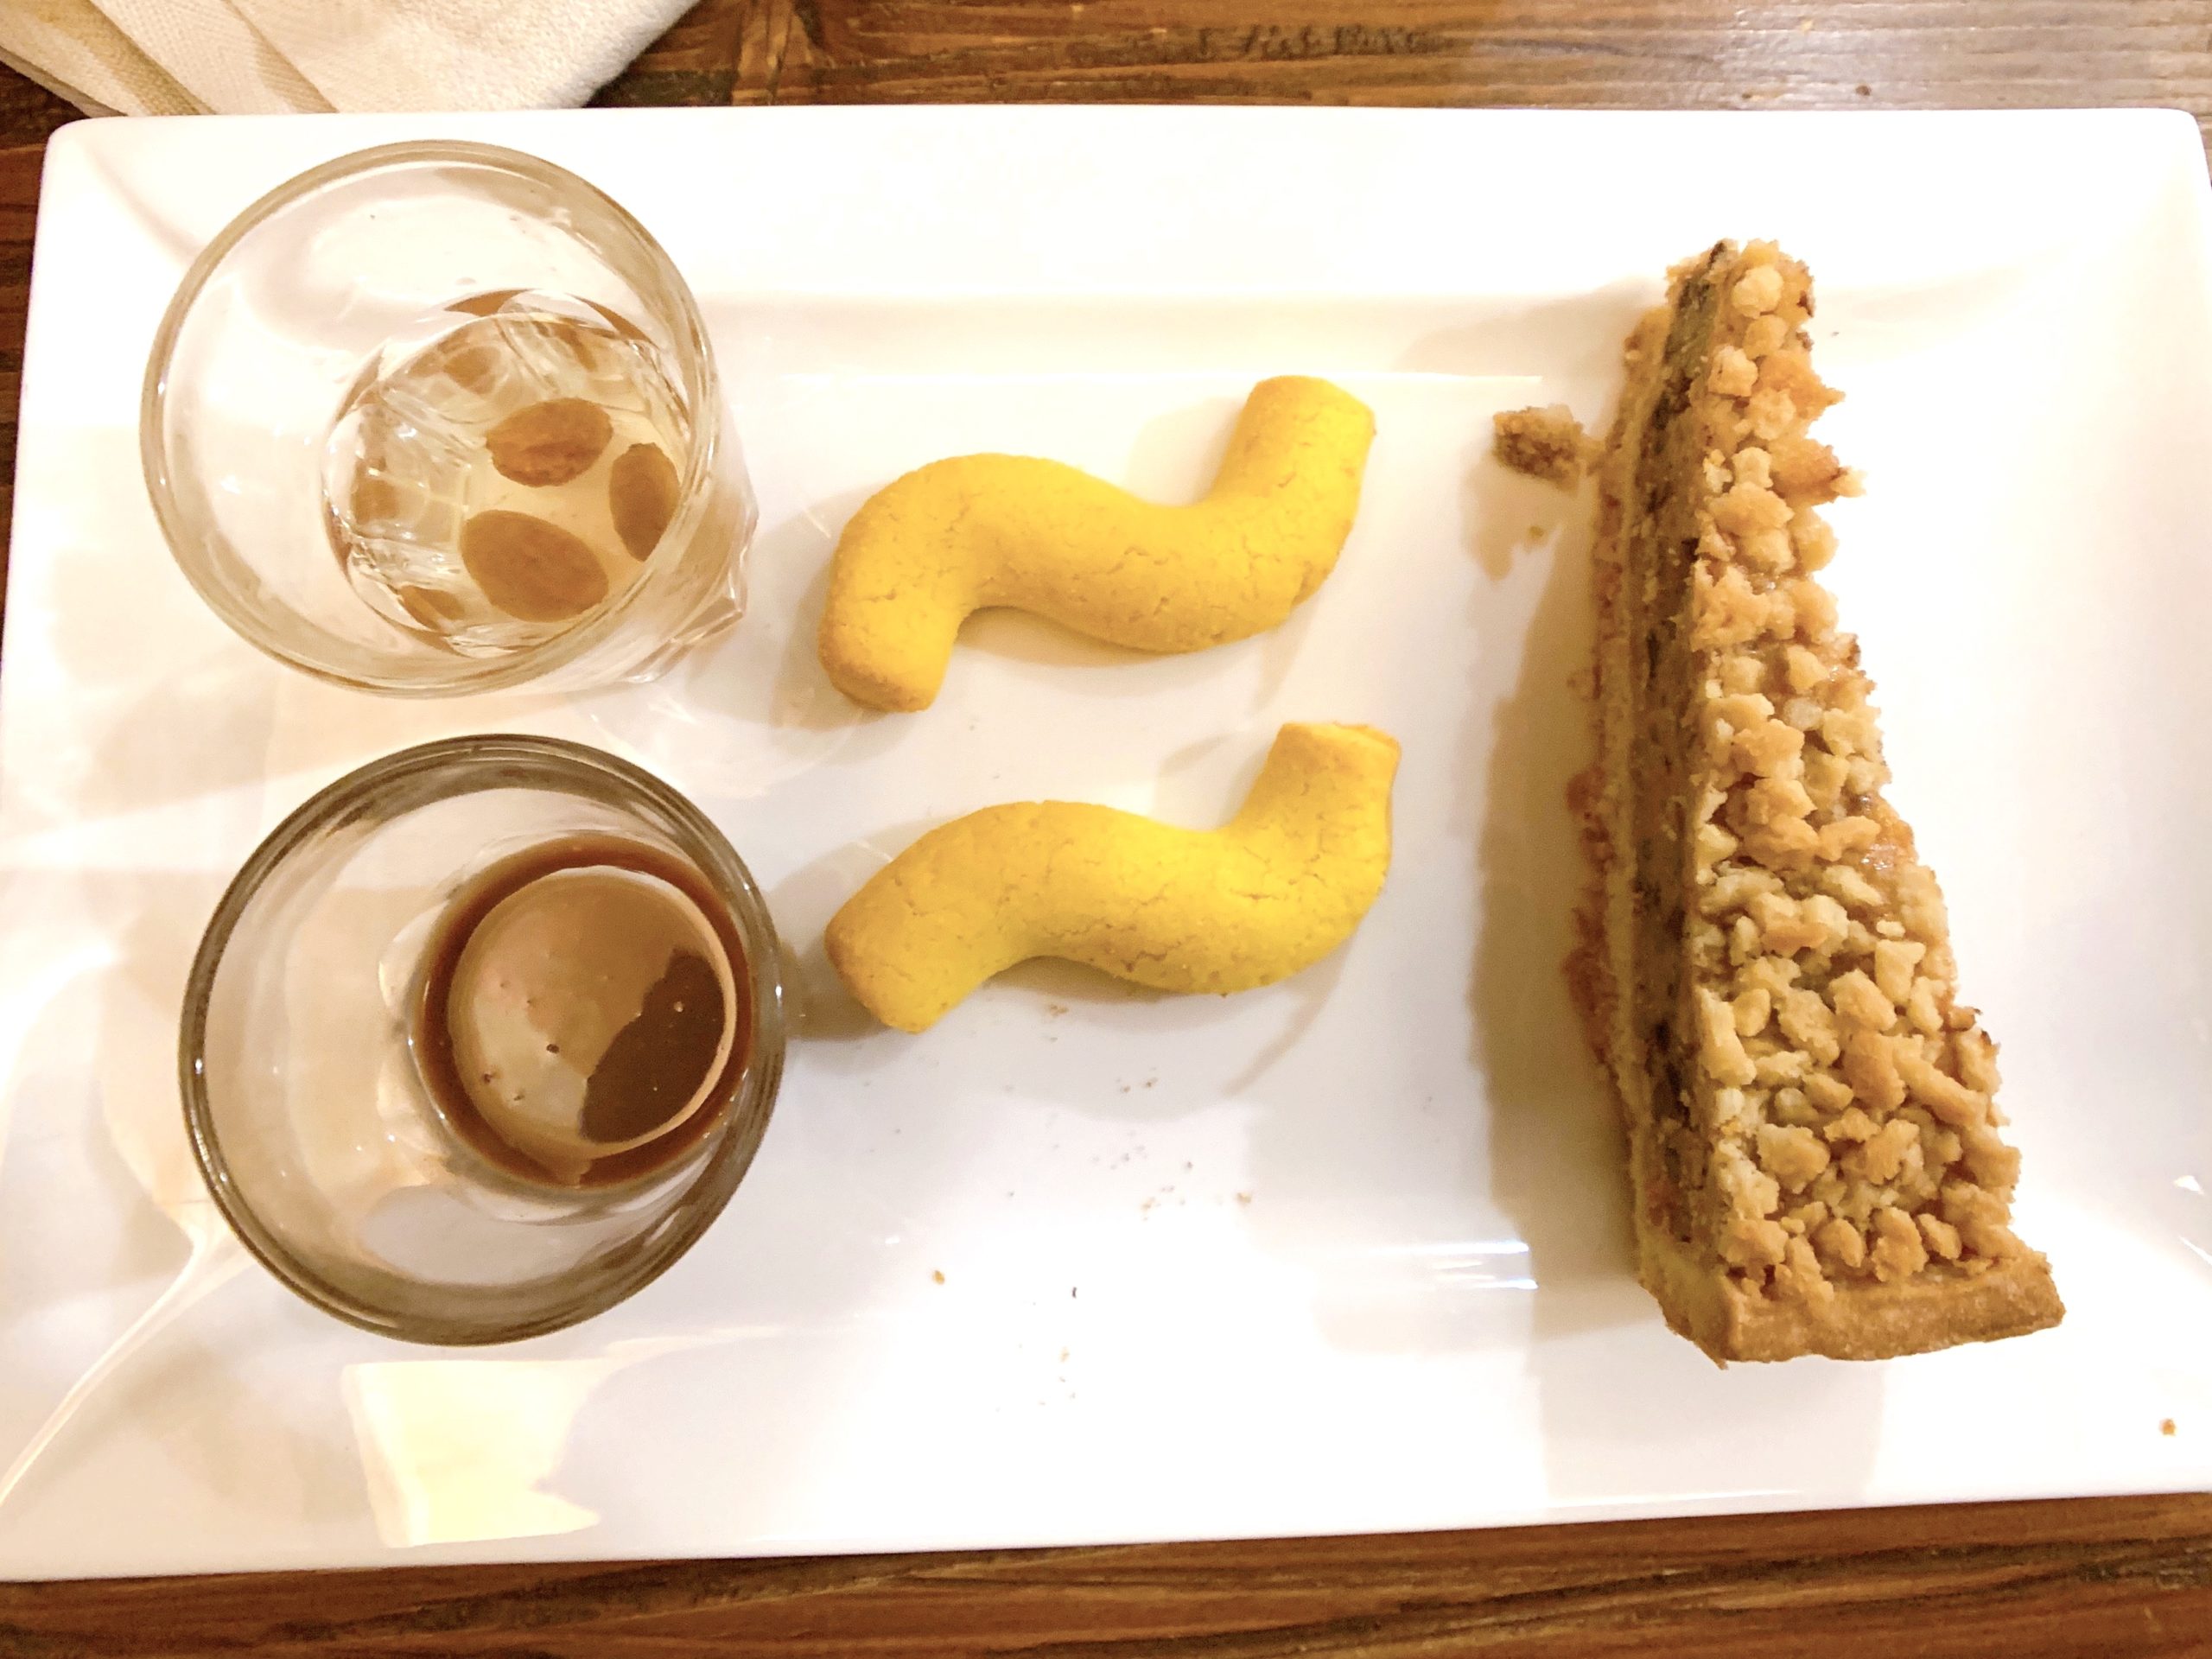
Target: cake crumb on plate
x=1548, y=443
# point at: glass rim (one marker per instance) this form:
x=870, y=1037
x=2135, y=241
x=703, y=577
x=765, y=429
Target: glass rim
x=732, y=1147
x=509, y=670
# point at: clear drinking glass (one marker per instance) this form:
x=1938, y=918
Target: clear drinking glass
x=303, y=1095
x=335, y=275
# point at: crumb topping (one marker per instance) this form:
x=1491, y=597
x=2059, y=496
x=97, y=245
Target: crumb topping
x=1853, y=1110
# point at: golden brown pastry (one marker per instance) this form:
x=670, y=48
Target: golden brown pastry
x=1814, y=1143
x=1270, y=893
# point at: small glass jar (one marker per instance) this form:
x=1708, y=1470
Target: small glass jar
x=303, y=1097
x=268, y=335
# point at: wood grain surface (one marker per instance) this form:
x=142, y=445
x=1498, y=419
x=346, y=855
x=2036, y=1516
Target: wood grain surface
x=1567, y=54
x=2131, y=1576
x=2126, y=1576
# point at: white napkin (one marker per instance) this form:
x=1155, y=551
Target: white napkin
x=189, y=57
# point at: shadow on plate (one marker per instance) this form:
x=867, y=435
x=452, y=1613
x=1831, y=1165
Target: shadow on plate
x=1546, y=339
x=1557, y=1154
x=154, y=1250
x=753, y=709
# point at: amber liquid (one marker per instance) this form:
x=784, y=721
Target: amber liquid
x=459, y=514
x=431, y=1035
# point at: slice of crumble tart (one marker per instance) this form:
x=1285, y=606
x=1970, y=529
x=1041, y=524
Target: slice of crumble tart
x=1813, y=1136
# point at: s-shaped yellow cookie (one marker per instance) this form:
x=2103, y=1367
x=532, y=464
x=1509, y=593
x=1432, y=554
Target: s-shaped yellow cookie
x=958, y=535
x=1274, y=890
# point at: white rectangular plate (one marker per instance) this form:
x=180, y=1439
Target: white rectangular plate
x=1082, y=1264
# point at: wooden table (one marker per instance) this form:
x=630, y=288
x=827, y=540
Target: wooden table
x=2111, y=1577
